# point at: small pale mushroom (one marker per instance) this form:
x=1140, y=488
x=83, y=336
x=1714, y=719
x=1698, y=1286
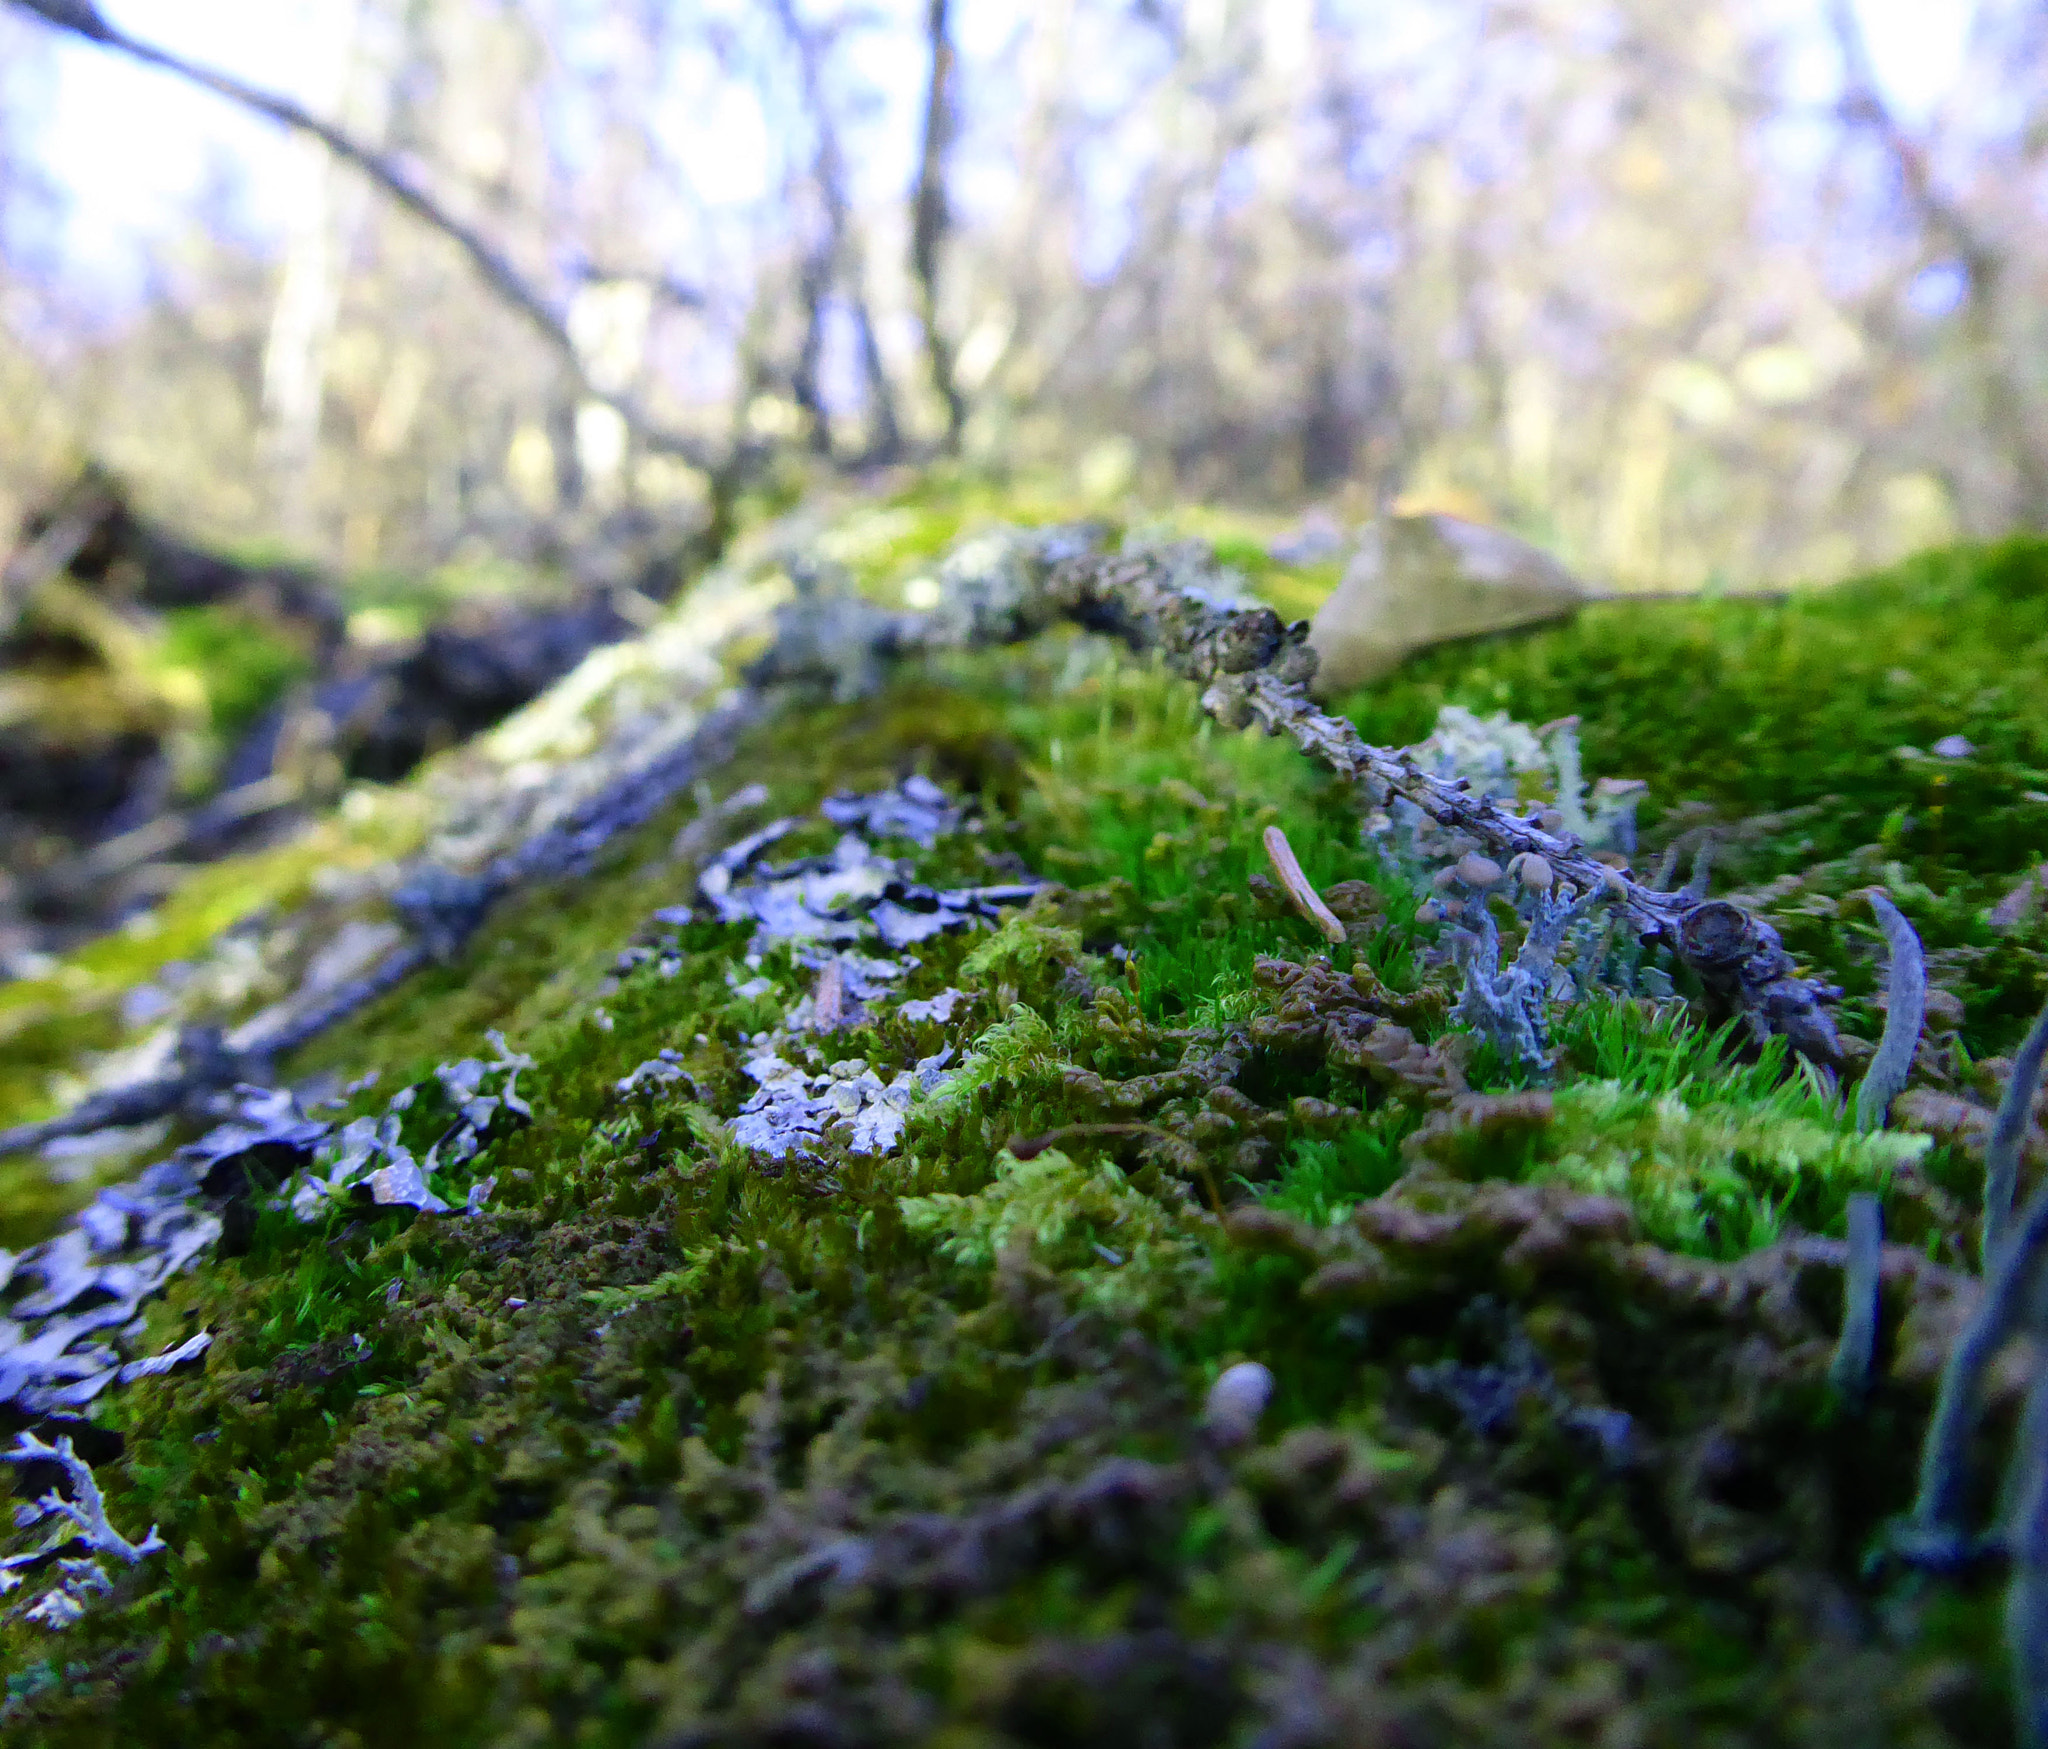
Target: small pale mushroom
x=1237, y=1401
x=1476, y=870
x=1306, y=899
x=1532, y=871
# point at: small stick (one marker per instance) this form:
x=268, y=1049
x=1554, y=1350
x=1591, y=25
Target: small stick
x=1306, y=899
x=1850, y=1371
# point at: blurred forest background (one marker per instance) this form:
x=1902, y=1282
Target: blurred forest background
x=1688, y=294
x=1677, y=291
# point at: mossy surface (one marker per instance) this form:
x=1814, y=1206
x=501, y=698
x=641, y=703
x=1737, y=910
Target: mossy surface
x=1801, y=734
x=678, y=1444
x=243, y=664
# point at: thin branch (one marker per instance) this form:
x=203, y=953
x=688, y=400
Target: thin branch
x=677, y=294
x=81, y=18
x=1863, y=101
x=1984, y=261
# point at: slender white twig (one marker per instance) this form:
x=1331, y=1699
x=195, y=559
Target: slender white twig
x=1306, y=899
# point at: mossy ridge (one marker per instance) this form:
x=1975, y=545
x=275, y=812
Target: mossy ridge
x=384, y=1537
x=815, y=1374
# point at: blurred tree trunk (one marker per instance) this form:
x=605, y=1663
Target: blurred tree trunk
x=931, y=217
x=835, y=264
x=326, y=213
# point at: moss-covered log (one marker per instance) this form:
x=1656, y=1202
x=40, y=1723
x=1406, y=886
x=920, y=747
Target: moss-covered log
x=830, y=1357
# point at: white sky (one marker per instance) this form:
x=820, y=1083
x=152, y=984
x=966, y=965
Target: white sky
x=134, y=149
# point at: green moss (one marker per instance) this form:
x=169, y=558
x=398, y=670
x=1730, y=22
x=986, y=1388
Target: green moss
x=1762, y=706
x=244, y=664
x=1722, y=1178
x=1120, y=1246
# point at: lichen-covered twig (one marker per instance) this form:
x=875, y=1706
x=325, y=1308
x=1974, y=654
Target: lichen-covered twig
x=1850, y=1371
x=2009, y=1137
x=1181, y=604
x=1178, y=603
x=1905, y=1014
x=1306, y=899
x=441, y=908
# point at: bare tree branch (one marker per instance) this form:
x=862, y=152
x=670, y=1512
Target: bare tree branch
x=677, y=294
x=1863, y=102
x=81, y=18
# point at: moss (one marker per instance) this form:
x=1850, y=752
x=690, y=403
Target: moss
x=1119, y=1244
x=244, y=664
x=1716, y=1177
x=677, y=1444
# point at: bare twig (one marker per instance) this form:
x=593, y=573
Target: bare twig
x=1306, y=899
x=1863, y=101
x=511, y=287
x=1984, y=261
x=836, y=257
